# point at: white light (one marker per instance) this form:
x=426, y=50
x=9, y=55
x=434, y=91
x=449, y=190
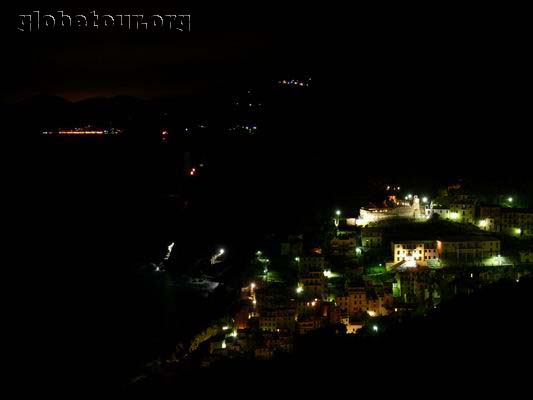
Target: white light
x=225, y=328
x=510, y=199
x=221, y=251
x=252, y=286
x=375, y=328
x=338, y=212
x=299, y=289
x=424, y=199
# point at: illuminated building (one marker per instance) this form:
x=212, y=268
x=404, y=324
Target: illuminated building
x=490, y=218
x=526, y=256
x=371, y=237
x=517, y=222
x=314, y=283
x=313, y=262
x=511, y=221
x=361, y=299
x=279, y=318
x=434, y=209
x=414, y=253
x=463, y=210
x=343, y=245
x=309, y=323
x=468, y=249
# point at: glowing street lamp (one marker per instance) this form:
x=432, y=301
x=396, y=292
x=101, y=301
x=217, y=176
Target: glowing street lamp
x=510, y=199
x=336, y=219
x=299, y=289
x=375, y=328
x=215, y=258
x=424, y=199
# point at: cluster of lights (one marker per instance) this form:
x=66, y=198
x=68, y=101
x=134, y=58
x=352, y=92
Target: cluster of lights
x=251, y=129
x=83, y=131
x=393, y=187
x=294, y=82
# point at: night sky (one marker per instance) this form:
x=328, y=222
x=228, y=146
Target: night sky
x=437, y=54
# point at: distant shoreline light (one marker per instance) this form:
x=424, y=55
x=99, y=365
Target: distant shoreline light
x=83, y=131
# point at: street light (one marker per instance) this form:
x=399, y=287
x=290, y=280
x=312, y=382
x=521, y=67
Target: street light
x=424, y=199
x=375, y=328
x=510, y=199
